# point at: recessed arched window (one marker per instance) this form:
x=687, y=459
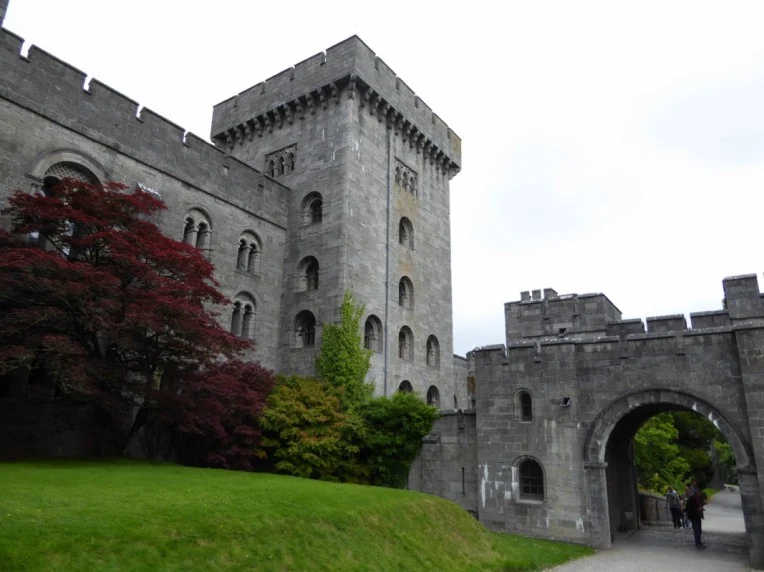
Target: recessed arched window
x=433, y=396
x=52, y=177
x=308, y=274
x=372, y=334
x=56, y=173
x=524, y=405
x=405, y=343
x=406, y=233
x=406, y=293
x=305, y=330
x=412, y=188
x=243, y=316
x=197, y=229
x=249, y=254
x=433, y=352
x=405, y=387
x=282, y=166
x=312, y=208
x=531, y=480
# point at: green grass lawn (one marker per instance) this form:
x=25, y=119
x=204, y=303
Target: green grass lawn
x=124, y=515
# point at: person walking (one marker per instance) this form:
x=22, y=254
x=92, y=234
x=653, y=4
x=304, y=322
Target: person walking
x=694, y=511
x=674, y=504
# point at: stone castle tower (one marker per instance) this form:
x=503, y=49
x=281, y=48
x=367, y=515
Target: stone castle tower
x=330, y=176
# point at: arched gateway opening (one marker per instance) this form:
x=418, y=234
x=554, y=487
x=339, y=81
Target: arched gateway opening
x=610, y=482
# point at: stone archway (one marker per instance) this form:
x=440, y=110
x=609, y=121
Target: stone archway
x=601, y=448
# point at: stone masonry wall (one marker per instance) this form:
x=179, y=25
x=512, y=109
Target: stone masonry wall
x=703, y=364
x=98, y=128
x=446, y=466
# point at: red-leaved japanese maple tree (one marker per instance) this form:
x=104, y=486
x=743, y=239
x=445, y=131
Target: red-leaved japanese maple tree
x=96, y=302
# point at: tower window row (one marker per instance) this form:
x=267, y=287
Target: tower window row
x=373, y=339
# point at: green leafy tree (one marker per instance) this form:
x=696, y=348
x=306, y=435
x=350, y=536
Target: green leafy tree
x=395, y=427
x=696, y=437
x=657, y=455
x=726, y=461
x=343, y=361
x=695, y=431
x=308, y=434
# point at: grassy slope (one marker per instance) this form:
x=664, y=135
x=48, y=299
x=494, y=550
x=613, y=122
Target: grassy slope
x=136, y=516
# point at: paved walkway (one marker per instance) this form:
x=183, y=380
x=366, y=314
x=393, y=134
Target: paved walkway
x=655, y=549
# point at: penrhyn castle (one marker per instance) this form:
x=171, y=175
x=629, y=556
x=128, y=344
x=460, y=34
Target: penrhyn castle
x=330, y=176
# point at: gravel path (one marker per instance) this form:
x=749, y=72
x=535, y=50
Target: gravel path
x=656, y=549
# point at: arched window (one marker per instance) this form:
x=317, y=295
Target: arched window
x=52, y=177
x=249, y=254
x=312, y=208
x=524, y=405
x=66, y=170
x=243, y=316
x=305, y=330
x=412, y=185
x=197, y=230
x=433, y=352
x=433, y=396
x=236, y=319
x=405, y=387
x=397, y=175
x=243, y=255
x=405, y=293
x=280, y=162
x=203, y=236
x=372, y=334
x=189, y=231
x=308, y=274
x=406, y=233
x=531, y=480
x=405, y=343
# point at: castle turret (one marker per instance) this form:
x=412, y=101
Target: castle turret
x=368, y=164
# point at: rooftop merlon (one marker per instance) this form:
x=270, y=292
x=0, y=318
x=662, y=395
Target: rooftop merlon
x=348, y=66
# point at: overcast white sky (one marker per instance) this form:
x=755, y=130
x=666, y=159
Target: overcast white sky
x=607, y=146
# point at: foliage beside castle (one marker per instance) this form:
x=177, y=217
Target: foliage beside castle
x=332, y=175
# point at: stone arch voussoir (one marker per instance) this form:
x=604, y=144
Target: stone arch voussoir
x=599, y=432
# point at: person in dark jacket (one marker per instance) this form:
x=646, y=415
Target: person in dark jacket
x=694, y=511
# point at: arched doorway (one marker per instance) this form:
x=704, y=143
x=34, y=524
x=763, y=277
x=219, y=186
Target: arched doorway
x=610, y=484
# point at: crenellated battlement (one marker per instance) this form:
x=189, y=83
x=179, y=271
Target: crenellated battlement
x=348, y=69
x=553, y=317
x=55, y=89
x=558, y=315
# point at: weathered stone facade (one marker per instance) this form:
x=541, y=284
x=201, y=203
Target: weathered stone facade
x=566, y=395
x=298, y=200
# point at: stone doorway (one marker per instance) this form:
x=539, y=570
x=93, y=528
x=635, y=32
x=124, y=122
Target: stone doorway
x=611, y=486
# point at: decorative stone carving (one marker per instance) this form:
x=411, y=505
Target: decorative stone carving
x=376, y=104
